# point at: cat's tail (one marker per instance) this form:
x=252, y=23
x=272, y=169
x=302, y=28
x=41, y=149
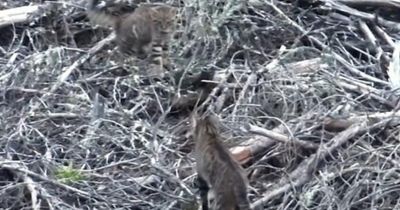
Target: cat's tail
x=98, y=16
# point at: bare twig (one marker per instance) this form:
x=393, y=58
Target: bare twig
x=384, y=36
x=68, y=70
x=370, y=118
x=19, y=14
x=373, y=40
x=333, y=4
x=16, y=167
x=300, y=67
x=387, y=3
x=281, y=138
x=34, y=194
x=323, y=46
x=305, y=170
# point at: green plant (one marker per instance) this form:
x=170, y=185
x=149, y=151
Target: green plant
x=67, y=174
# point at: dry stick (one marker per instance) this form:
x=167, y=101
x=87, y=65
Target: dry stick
x=97, y=113
x=368, y=33
x=260, y=143
x=280, y=137
x=173, y=177
x=32, y=187
x=145, y=180
x=68, y=70
x=387, y=3
x=275, y=136
x=220, y=100
x=19, y=14
x=300, y=67
x=384, y=36
x=250, y=80
x=213, y=93
x=367, y=16
x=372, y=39
x=13, y=166
x=50, y=200
x=354, y=70
x=337, y=124
x=363, y=89
x=305, y=170
x=340, y=17
x=385, y=157
x=353, y=85
x=246, y=150
x=34, y=194
x=360, y=87
x=323, y=47
x=344, y=123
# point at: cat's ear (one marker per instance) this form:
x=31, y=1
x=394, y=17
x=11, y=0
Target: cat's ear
x=173, y=11
x=153, y=12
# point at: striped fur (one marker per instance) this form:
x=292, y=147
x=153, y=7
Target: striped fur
x=146, y=30
x=217, y=169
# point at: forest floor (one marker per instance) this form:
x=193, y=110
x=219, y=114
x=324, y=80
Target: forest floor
x=306, y=92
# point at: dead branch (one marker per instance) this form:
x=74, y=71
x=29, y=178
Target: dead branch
x=316, y=67
x=259, y=143
x=332, y=4
x=339, y=124
x=339, y=58
x=306, y=66
x=250, y=80
x=383, y=3
x=280, y=137
x=68, y=70
x=384, y=36
x=19, y=15
x=306, y=169
x=14, y=166
x=32, y=189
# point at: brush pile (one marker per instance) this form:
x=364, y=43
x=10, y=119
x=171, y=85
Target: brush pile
x=307, y=91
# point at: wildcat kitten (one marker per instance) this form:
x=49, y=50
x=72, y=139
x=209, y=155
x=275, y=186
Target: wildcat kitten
x=217, y=169
x=145, y=31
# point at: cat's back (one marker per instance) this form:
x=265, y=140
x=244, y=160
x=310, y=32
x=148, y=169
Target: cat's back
x=217, y=166
x=138, y=22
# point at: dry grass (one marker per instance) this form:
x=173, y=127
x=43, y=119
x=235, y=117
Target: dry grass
x=304, y=88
